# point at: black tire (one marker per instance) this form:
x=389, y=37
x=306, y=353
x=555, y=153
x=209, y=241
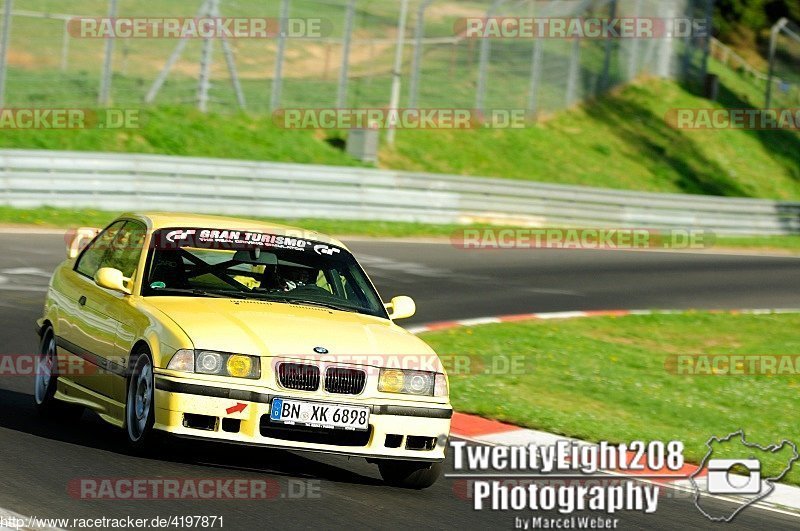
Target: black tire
x=46, y=382
x=410, y=474
x=140, y=403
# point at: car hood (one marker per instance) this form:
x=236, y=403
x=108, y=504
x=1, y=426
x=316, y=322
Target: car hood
x=293, y=331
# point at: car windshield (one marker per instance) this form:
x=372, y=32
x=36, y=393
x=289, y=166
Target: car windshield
x=200, y=262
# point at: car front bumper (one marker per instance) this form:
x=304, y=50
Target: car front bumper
x=195, y=409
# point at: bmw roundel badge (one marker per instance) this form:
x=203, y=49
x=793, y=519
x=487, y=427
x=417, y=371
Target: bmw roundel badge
x=320, y=350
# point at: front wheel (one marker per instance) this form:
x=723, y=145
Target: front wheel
x=410, y=474
x=139, y=405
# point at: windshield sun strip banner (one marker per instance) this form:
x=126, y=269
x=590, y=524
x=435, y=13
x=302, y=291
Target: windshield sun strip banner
x=209, y=238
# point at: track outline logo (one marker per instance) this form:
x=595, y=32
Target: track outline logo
x=770, y=482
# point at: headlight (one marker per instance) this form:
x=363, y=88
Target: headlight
x=219, y=363
x=412, y=382
x=206, y=362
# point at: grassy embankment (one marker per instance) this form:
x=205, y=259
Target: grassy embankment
x=608, y=378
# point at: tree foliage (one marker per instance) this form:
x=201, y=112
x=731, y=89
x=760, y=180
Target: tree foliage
x=755, y=15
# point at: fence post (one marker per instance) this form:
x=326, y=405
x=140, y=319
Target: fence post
x=709, y=14
x=574, y=71
x=686, y=56
x=633, y=56
x=341, y=93
x=773, y=47
x=230, y=62
x=234, y=73
x=416, y=66
x=603, y=83
x=171, y=60
x=4, y=51
x=483, y=61
x=277, y=80
x=65, y=47
x=536, y=75
x=664, y=63
x=205, y=64
x=105, y=78
x=394, y=102
x=162, y=76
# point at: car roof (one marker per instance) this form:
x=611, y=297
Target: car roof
x=160, y=220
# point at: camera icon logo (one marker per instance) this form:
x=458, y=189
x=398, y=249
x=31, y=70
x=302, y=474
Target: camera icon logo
x=734, y=476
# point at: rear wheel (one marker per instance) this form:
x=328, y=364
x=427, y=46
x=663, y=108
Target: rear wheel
x=410, y=474
x=140, y=403
x=46, y=382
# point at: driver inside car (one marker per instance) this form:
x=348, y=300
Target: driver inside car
x=293, y=277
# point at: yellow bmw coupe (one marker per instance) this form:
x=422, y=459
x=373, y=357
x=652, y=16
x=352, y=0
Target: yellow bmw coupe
x=240, y=331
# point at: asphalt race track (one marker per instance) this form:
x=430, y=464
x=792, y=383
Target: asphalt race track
x=450, y=283
x=39, y=459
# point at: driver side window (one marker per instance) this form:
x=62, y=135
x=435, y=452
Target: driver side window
x=126, y=249
x=89, y=261
x=119, y=246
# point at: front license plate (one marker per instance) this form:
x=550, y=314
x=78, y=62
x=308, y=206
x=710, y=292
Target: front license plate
x=319, y=414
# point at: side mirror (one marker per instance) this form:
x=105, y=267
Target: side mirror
x=110, y=278
x=401, y=307
x=77, y=239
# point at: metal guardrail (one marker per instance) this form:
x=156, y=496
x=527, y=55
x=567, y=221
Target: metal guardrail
x=729, y=57
x=31, y=178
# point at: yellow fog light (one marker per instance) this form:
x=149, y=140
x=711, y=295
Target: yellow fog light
x=391, y=381
x=240, y=366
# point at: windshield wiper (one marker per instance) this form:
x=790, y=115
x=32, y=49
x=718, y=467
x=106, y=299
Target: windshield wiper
x=221, y=294
x=307, y=302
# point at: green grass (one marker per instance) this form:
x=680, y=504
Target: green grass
x=786, y=243
x=618, y=141
x=185, y=131
x=67, y=218
x=605, y=378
